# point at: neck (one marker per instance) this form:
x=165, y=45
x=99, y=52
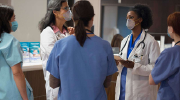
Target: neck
x=136, y=31
x=89, y=35
x=89, y=28
x=176, y=39
x=59, y=24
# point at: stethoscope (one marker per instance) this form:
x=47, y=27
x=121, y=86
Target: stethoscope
x=142, y=42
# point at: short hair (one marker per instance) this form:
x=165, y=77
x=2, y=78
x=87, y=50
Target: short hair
x=174, y=21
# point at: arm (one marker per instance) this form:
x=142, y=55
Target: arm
x=20, y=80
x=54, y=82
x=151, y=81
x=164, y=68
x=47, y=39
x=112, y=68
x=145, y=70
x=53, y=68
x=107, y=81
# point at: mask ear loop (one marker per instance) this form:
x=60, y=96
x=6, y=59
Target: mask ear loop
x=137, y=23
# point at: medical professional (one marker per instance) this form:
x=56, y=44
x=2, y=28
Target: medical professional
x=139, y=51
x=116, y=41
x=167, y=67
x=53, y=29
x=81, y=64
x=13, y=85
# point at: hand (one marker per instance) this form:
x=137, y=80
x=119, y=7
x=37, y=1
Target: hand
x=127, y=63
x=71, y=30
x=117, y=62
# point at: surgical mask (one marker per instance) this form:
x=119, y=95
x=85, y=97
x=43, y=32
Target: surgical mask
x=68, y=15
x=168, y=34
x=131, y=24
x=14, y=26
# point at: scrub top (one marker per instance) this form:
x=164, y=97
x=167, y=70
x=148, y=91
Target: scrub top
x=167, y=71
x=10, y=55
x=81, y=70
x=124, y=70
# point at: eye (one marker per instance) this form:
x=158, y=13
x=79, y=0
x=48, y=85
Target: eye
x=66, y=8
x=131, y=17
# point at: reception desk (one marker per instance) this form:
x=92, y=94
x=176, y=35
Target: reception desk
x=34, y=75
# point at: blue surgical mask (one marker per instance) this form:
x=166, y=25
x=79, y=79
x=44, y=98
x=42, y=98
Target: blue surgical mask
x=168, y=33
x=14, y=26
x=68, y=15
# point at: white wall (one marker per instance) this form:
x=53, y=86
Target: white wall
x=7, y=2
x=109, y=22
x=97, y=18
x=28, y=14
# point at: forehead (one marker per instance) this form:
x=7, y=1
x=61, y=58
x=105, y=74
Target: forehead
x=132, y=13
x=64, y=4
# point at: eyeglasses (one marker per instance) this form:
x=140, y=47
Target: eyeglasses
x=66, y=8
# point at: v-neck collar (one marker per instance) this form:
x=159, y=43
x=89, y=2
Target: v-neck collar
x=131, y=40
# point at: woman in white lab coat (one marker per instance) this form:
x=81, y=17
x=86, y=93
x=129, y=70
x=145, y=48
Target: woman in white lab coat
x=139, y=51
x=52, y=29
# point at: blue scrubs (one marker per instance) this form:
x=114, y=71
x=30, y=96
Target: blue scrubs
x=124, y=70
x=81, y=70
x=10, y=55
x=167, y=71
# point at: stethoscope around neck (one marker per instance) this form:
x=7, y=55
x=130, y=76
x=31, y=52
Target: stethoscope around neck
x=142, y=42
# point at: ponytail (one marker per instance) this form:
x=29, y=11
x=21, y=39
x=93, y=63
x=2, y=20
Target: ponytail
x=83, y=12
x=80, y=32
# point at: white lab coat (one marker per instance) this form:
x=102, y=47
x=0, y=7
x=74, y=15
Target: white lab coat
x=47, y=40
x=137, y=79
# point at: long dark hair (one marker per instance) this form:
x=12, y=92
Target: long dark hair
x=6, y=13
x=83, y=12
x=49, y=17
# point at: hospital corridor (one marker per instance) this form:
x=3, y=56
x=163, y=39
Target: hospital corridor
x=89, y=49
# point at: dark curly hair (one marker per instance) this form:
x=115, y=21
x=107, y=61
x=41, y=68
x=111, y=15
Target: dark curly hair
x=144, y=12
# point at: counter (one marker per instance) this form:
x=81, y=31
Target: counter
x=31, y=66
x=34, y=75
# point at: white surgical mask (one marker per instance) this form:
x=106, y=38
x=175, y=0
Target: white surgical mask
x=68, y=15
x=131, y=24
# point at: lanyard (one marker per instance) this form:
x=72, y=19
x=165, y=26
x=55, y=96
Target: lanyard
x=89, y=31
x=177, y=42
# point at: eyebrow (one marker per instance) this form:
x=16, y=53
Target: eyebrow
x=65, y=6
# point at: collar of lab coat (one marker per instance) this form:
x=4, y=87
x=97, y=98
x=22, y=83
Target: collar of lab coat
x=135, y=47
x=56, y=29
x=133, y=51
